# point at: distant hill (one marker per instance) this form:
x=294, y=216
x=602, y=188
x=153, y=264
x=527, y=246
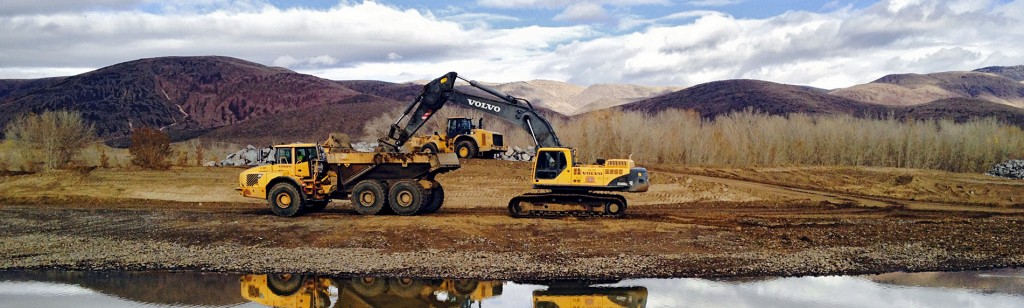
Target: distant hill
x=962, y=110
x=234, y=100
x=172, y=93
x=722, y=97
x=1013, y=72
x=570, y=99
x=916, y=89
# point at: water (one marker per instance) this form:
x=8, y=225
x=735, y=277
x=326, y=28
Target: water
x=997, y=288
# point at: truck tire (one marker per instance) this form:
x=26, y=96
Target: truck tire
x=466, y=149
x=368, y=197
x=316, y=206
x=434, y=201
x=285, y=200
x=285, y=284
x=406, y=287
x=406, y=197
x=430, y=148
x=368, y=286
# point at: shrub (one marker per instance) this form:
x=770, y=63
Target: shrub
x=150, y=148
x=52, y=138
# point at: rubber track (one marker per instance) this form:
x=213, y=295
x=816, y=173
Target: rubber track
x=586, y=197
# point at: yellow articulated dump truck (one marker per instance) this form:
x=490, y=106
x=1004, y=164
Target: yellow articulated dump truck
x=294, y=291
x=462, y=138
x=305, y=177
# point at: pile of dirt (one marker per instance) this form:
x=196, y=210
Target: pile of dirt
x=1012, y=169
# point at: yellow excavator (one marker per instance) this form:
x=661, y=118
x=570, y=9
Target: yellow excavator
x=571, y=185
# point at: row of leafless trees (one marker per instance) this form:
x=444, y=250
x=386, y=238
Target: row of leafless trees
x=748, y=138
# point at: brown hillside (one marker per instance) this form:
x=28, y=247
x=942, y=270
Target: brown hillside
x=311, y=124
x=893, y=95
x=990, y=87
x=175, y=93
x=1013, y=72
x=722, y=97
x=962, y=110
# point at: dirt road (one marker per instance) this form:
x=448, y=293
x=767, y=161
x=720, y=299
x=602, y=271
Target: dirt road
x=694, y=222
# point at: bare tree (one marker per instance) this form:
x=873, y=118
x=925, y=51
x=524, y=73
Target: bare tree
x=52, y=138
x=150, y=148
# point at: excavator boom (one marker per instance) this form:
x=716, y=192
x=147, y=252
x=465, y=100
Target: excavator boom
x=571, y=184
x=442, y=90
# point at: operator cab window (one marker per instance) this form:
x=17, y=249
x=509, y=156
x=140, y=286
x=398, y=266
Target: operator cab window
x=284, y=155
x=459, y=127
x=305, y=154
x=550, y=164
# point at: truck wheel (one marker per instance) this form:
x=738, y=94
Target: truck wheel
x=465, y=286
x=316, y=206
x=434, y=201
x=285, y=284
x=406, y=197
x=466, y=149
x=285, y=200
x=430, y=148
x=406, y=287
x=368, y=197
x=368, y=286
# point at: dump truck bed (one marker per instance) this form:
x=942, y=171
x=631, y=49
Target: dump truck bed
x=353, y=167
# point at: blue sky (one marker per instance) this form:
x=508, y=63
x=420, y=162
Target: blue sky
x=828, y=44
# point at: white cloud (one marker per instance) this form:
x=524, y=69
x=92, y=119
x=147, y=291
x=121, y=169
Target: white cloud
x=369, y=40
x=714, y=2
x=583, y=12
x=827, y=50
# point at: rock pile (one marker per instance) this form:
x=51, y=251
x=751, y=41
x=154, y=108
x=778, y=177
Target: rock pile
x=518, y=154
x=1013, y=169
x=249, y=156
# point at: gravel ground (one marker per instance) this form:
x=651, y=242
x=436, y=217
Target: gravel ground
x=694, y=239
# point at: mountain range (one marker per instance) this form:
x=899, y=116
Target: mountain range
x=234, y=100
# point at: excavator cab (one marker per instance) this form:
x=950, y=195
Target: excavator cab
x=550, y=164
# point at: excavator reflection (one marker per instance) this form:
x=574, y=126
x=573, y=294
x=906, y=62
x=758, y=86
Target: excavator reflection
x=574, y=294
x=312, y=291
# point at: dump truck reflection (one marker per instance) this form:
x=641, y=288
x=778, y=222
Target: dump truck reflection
x=289, y=290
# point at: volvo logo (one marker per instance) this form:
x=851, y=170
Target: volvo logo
x=485, y=106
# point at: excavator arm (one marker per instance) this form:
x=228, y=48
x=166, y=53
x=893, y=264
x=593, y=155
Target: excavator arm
x=442, y=90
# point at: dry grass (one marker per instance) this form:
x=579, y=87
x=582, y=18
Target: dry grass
x=747, y=138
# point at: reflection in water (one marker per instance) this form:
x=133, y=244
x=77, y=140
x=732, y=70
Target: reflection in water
x=1000, y=288
x=290, y=290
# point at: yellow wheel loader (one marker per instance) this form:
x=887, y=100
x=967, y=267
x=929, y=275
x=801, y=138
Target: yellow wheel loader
x=462, y=138
x=571, y=184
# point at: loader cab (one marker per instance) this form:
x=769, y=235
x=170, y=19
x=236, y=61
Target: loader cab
x=459, y=126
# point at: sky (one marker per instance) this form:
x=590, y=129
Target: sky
x=821, y=43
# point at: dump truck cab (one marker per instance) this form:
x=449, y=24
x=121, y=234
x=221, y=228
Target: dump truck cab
x=460, y=137
x=293, y=163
